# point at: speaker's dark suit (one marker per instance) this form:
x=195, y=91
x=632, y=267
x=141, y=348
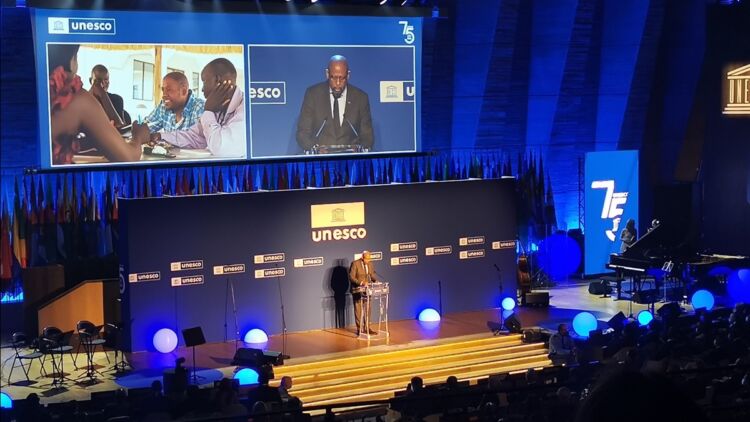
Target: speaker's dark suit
x=317, y=115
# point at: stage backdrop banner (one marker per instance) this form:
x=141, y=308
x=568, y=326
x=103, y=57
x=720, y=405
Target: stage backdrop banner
x=184, y=257
x=611, y=179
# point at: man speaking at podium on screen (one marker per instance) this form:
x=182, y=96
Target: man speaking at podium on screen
x=335, y=115
x=361, y=273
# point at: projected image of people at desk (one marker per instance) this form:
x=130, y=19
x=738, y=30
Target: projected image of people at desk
x=76, y=115
x=335, y=115
x=221, y=128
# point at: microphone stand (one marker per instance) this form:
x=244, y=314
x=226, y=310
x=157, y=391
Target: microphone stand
x=234, y=311
x=283, y=318
x=440, y=297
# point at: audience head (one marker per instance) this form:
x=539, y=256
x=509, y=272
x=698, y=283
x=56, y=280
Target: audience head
x=416, y=384
x=563, y=329
x=452, y=382
x=286, y=382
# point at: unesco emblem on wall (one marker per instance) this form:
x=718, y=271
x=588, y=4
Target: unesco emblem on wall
x=736, y=90
x=338, y=215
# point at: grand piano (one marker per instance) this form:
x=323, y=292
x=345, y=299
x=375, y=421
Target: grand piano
x=665, y=252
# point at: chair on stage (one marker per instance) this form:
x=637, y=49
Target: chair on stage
x=89, y=339
x=54, y=342
x=21, y=349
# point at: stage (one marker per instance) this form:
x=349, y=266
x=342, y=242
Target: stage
x=315, y=350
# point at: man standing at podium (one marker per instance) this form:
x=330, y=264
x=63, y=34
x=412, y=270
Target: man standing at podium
x=335, y=112
x=361, y=273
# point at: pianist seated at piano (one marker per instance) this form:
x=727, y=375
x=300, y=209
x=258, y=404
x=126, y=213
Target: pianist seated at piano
x=628, y=235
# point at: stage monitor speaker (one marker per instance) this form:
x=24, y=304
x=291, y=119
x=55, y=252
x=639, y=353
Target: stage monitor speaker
x=512, y=324
x=193, y=337
x=617, y=322
x=540, y=299
x=247, y=356
x=600, y=287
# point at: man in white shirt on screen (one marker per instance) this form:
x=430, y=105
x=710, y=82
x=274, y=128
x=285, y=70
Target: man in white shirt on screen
x=221, y=128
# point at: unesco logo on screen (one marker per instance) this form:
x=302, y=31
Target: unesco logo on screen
x=89, y=26
x=268, y=92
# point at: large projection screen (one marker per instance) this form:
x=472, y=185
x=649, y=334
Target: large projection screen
x=271, y=64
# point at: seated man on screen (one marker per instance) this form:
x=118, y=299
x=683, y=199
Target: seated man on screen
x=221, y=127
x=179, y=108
x=335, y=112
x=361, y=273
x=99, y=81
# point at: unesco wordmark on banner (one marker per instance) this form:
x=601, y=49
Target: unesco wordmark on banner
x=504, y=244
x=470, y=254
x=471, y=240
x=404, y=246
x=188, y=280
x=196, y=264
x=374, y=256
x=229, y=269
x=404, y=260
x=270, y=272
x=147, y=276
x=438, y=250
x=309, y=262
x=269, y=258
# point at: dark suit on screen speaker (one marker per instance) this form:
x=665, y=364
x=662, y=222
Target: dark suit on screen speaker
x=317, y=125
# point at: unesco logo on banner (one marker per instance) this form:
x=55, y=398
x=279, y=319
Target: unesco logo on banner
x=229, y=269
x=270, y=273
x=438, y=250
x=196, y=264
x=476, y=253
x=504, y=244
x=404, y=260
x=474, y=240
x=148, y=276
x=339, y=215
x=268, y=92
x=396, y=91
x=269, y=258
x=309, y=262
x=405, y=246
x=187, y=280
x=374, y=256
x=88, y=26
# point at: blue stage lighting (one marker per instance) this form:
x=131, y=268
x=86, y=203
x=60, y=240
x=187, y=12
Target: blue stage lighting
x=508, y=304
x=702, y=299
x=5, y=401
x=429, y=315
x=583, y=323
x=256, y=335
x=246, y=376
x=738, y=285
x=559, y=255
x=165, y=340
x=645, y=317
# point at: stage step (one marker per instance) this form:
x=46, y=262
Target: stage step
x=378, y=376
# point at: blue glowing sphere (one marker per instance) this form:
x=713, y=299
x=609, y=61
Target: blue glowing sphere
x=508, y=304
x=165, y=340
x=256, y=335
x=644, y=317
x=5, y=401
x=702, y=299
x=559, y=256
x=583, y=323
x=246, y=376
x=429, y=315
x=738, y=285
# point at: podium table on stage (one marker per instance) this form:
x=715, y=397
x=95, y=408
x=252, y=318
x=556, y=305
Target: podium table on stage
x=377, y=291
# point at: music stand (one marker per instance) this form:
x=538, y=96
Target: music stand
x=193, y=337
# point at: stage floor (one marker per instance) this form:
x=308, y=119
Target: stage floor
x=214, y=360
